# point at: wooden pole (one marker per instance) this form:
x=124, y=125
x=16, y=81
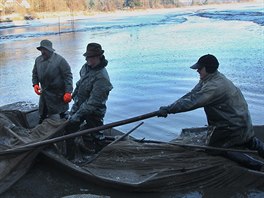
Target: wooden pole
x=30, y=146
x=14, y=134
x=199, y=146
x=115, y=141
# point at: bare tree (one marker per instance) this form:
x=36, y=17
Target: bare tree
x=97, y=5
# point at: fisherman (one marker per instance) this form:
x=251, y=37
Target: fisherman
x=90, y=96
x=225, y=109
x=52, y=81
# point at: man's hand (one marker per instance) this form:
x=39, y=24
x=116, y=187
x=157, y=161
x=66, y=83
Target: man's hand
x=67, y=97
x=163, y=112
x=74, y=118
x=37, y=89
x=73, y=124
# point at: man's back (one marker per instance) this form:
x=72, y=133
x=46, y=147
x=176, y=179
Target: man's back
x=228, y=110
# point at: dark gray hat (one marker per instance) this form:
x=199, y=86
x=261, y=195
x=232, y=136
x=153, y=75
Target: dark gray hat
x=207, y=61
x=93, y=49
x=47, y=45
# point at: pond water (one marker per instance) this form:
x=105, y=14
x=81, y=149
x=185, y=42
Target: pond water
x=149, y=58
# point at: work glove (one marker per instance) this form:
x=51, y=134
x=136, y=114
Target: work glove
x=73, y=124
x=67, y=97
x=75, y=118
x=163, y=112
x=37, y=89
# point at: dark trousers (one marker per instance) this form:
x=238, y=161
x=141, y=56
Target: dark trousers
x=45, y=112
x=90, y=122
x=256, y=144
x=246, y=160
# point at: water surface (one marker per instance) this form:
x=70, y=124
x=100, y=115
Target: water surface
x=149, y=58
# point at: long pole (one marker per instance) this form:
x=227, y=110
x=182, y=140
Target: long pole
x=198, y=146
x=73, y=135
x=115, y=141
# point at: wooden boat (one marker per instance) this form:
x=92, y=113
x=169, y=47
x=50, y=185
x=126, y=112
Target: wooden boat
x=152, y=166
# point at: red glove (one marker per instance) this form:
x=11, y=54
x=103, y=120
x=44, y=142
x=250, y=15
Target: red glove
x=37, y=89
x=67, y=97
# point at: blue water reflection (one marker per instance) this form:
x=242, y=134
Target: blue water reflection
x=149, y=58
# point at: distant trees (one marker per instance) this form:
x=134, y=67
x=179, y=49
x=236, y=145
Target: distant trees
x=57, y=5
x=9, y=6
x=105, y=5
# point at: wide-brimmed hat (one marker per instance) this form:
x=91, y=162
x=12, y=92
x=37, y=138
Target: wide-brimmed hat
x=208, y=61
x=93, y=49
x=47, y=45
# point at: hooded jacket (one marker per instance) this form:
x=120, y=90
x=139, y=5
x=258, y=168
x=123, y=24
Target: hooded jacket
x=92, y=90
x=55, y=78
x=225, y=108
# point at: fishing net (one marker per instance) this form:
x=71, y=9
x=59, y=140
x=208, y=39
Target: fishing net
x=166, y=167
x=14, y=133
x=146, y=166
x=132, y=165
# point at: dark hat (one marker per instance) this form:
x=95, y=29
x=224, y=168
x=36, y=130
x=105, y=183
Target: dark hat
x=47, y=45
x=208, y=61
x=93, y=49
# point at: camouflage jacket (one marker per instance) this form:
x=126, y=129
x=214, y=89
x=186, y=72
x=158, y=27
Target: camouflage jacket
x=91, y=92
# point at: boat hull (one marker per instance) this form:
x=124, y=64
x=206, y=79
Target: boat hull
x=138, y=166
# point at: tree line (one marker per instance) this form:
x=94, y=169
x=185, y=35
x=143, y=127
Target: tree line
x=96, y=5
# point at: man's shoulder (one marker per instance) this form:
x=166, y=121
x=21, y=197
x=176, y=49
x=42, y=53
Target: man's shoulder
x=84, y=70
x=102, y=73
x=59, y=59
x=39, y=58
x=57, y=56
x=221, y=83
x=215, y=81
x=223, y=80
x=219, y=77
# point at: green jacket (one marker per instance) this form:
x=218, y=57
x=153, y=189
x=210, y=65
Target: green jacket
x=91, y=92
x=225, y=108
x=55, y=77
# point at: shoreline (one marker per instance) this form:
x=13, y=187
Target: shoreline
x=68, y=16
x=136, y=12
